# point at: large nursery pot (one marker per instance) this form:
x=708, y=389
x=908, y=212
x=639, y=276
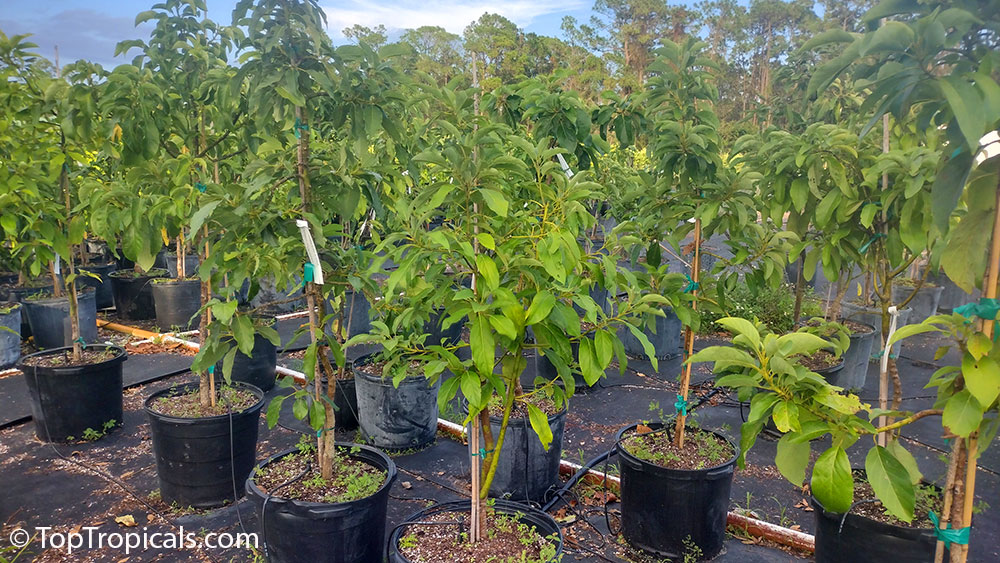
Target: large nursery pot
x=436, y=334
x=104, y=296
x=307, y=532
x=856, y=358
x=10, y=334
x=176, y=302
x=546, y=369
x=873, y=316
x=67, y=400
x=396, y=418
x=951, y=295
x=666, y=339
x=50, y=321
x=542, y=522
x=260, y=367
x=345, y=398
x=19, y=294
x=202, y=462
x=857, y=539
x=133, y=293
x=190, y=265
x=525, y=470
x=664, y=508
x=923, y=305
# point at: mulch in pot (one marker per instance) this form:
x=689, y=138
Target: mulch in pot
x=701, y=450
x=504, y=539
x=88, y=357
x=299, y=478
x=188, y=405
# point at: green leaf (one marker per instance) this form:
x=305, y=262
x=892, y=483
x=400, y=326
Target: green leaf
x=906, y=458
x=472, y=389
x=224, y=311
x=488, y=272
x=907, y=331
x=243, y=332
x=541, y=306
x=604, y=348
x=743, y=327
x=588, y=363
x=274, y=410
x=947, y=188
x=800, y=193
x=891, y=482
x=785, y=416
x=760, y=407
x=982, y=378
x=504, y=326
x=495, y=200
x=795, y=343
x=483, y=346
x=979, y=345
x=723, y=354
x=966, y=104
x=317, y=415
x=832, y=482
x=199, y=217
x=962, y=413
x=891, y=36
x=792, y=458
x=300, y=408
x=540, y=424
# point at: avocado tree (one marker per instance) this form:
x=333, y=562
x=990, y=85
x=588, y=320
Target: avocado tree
x=515, y=217
x=175, y=107
x=312, y=108
x=57, y=129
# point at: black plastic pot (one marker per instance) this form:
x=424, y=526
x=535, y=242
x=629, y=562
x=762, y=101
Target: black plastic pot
x=873, y=316
x=203, y=462
x=345, y=398
x=18, y=295
x=259, y=368
x=50, y=321
x=525, y=471
x=66, y=401
x=833, y=372
x=666, y=341
x=190, y=265
x=102, y=287
x=924, y=304
x=396, y=418
x=662, y=508
x=542, y=522
x=308, y=532
x=863, y=540
x=951, y=295
x=856, y=358
x=133, y=295
x=436, y=334
x=159, y=262
x=10, y=334
x=177, y=303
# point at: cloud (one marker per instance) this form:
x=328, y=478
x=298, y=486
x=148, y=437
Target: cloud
x=453, y=15
x=80, y=34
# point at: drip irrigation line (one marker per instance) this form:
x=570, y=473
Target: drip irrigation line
x=232, y=468
x=270, y=494
x=579, y=516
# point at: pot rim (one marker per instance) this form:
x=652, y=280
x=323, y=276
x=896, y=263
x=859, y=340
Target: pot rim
x=121, y=356
x=622, y=452
x=390, y=476
x=80, y=292
x=152, y=273
x=214, y=418
x=173, y=281
x=508, y=507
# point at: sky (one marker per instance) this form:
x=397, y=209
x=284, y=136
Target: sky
x=90, y=29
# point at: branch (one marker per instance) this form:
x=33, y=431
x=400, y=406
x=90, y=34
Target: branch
x=912, y=418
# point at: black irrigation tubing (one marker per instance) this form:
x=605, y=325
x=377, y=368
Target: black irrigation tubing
x=263, y=508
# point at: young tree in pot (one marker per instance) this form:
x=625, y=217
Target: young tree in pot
x=526, y=274
x=187, y=104
x=76, y=386
x=765, y=371
x=316, y=108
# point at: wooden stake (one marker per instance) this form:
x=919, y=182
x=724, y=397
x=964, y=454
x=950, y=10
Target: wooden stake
x=949, y=486
x=689, y=337
x=883, y=375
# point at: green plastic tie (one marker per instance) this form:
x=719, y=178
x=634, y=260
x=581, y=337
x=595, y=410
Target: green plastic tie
x=681, y=405
x=211, y=370
x=986, y=308
x=79, y=340
x=321, y=431
x=200, y=187
x=874, y=238
x=691, y=286
x=949, y=535
x=299, y=127
x=878, y=355
x=308, y=273
x=482, y=453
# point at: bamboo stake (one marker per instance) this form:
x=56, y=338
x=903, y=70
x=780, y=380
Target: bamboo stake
x=689, y=337
x=883, y=375
x=949, y=493
x=475, y=459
